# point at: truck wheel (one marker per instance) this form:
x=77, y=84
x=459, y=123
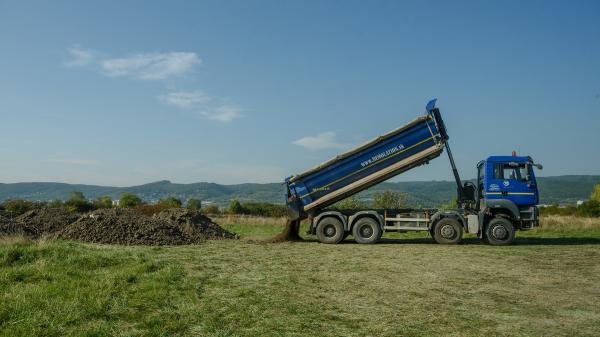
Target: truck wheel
x=499, y=232
x=330, y=230
x=366, y=230
x=447, y=231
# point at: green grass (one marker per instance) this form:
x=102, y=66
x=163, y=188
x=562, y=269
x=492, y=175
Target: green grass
x=547, y=284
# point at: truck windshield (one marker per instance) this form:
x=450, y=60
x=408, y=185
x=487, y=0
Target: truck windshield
x=516, y=171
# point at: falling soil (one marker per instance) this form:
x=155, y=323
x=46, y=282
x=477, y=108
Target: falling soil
x=289, y=233
x=129, y=227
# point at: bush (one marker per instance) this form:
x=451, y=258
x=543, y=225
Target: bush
x=169, y=202
x=264, y=209
x=389, y=200
x=195, y=204
x=56, y=203
x=103, y=202
x=451, y=204
x=352, y=202
x=18, y=206
x=235, y=207
x=129, y=200
x=569, y=210
x=596, y=193
x=150, y=209
x=590, y=208
x=211, y=209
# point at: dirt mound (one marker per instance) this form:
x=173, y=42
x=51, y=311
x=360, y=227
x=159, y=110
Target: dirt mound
x=290, y=232
x=37, y=223
x=46, y=221
x=129, y=227
x=9, y=227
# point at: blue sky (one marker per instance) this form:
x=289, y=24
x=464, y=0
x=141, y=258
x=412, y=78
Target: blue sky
x=129, y=92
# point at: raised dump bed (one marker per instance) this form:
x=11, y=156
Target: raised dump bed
x=397, y=151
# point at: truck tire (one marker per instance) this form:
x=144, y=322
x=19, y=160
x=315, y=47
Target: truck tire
x=330, y=230
x=499, y=232
x=366, y=230
x=447, y=231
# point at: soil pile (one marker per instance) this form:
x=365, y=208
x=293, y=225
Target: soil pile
x=37, y=223
x=129, y=227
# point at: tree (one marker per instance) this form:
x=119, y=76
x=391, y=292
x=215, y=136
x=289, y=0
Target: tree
x=194, y=204
x=169, y=202
x=235, y=207
x=129, y=200
x=389, y=199
x=78, y=203
x=596, y=193
x=103, y=202
x=352, y=202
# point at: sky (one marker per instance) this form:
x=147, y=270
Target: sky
x=129, y=92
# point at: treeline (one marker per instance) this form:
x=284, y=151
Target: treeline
x=78, y=203
x=589, y=208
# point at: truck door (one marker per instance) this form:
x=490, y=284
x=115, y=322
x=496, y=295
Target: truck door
x=513, y=181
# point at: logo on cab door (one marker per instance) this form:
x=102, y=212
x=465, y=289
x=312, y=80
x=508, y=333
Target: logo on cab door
x=506, y=183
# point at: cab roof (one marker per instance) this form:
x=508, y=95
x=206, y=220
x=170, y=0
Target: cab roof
x=509, y=159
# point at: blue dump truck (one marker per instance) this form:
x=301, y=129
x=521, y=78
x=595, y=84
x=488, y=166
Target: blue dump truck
x=502, y=200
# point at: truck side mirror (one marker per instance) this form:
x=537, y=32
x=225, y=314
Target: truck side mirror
x=539, y=166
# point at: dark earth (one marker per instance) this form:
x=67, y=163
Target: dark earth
x=174, y=226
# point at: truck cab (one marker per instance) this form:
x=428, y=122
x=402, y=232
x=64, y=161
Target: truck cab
x=507, y=188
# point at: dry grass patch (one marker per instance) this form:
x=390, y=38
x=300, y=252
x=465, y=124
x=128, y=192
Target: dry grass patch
x=561, y=223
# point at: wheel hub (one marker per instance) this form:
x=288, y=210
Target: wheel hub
x=448, y=232
x=366, y=231
x=329, y=231
x=499, y=232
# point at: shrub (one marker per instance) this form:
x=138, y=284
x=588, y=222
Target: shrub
x=569, y=210
x=211, y=209
x=129, y=200
x=596, y=193
x=18, y=206
x=169, y=202
x=235, y=207
x=78, y=203
x=150, y=209
x=264, y=209
x=194, y=203
x=56, y=203
x=103, y=202
x=389, y=200
x=352, y=202
x=590, y=208
x=451, y=204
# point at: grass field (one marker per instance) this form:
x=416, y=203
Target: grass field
x=546, y=284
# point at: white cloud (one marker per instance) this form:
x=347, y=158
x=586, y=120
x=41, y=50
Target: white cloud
x=325, y=140
x=222, y=113
x=80, y=57
x=151, y=66
x=83, y=162
x=185, y=99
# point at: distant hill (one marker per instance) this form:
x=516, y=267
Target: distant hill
x=559, y=189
